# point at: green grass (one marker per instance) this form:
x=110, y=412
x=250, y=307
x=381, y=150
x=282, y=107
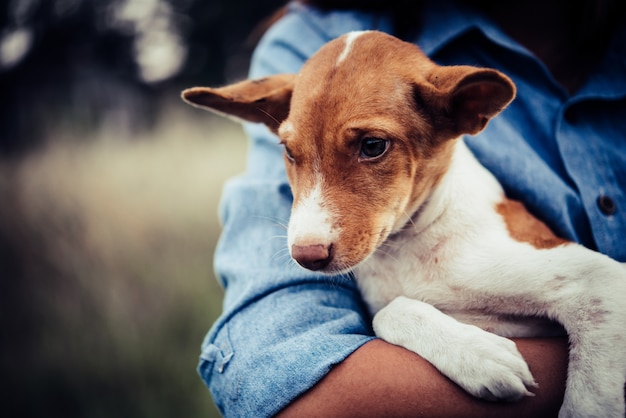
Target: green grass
x=114, y=290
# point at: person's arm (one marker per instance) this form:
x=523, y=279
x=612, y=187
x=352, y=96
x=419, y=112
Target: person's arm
x=282, y=328
x=380, y=379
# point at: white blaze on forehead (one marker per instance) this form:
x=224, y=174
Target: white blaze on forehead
x=350, y=38
x=311, y=221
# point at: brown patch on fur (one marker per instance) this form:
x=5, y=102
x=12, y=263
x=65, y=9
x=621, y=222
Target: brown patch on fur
x=524, y=227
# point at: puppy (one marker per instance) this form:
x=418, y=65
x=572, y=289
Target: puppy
x=384, y=187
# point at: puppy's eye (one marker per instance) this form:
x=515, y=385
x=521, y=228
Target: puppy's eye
x=373, y=147
x=288, y=154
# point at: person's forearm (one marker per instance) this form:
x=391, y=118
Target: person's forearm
x=380, y=379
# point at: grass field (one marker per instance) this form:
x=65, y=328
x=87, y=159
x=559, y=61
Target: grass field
x=110, y=287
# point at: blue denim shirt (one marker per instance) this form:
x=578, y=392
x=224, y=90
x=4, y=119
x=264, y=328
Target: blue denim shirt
x=283, y=328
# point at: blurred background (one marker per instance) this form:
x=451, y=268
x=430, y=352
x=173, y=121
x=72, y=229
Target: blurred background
x=109, y=188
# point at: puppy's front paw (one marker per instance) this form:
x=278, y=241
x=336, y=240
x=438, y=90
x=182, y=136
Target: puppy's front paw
x=487, y=366
x=484, y=364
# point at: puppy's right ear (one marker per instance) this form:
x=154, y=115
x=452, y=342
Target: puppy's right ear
x=462, y=99
x=265, y=100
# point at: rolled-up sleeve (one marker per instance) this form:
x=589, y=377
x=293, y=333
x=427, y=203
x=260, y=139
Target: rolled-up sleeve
x=282, y=328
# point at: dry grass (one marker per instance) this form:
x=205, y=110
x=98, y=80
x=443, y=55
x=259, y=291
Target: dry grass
x=110, y=242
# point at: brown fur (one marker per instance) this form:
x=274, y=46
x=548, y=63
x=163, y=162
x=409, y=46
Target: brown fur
x=524, y=227
x=325, y=113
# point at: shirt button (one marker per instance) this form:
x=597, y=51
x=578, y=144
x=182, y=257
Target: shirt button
x=606, y=205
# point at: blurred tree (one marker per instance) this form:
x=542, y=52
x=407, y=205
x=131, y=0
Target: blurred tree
x=79, y=63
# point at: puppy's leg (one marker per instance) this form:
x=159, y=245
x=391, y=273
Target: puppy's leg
x=482, y=363
x=596, y=324
x=585, y=292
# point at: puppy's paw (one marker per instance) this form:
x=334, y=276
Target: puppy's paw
x=489, y=367
x=484, y=364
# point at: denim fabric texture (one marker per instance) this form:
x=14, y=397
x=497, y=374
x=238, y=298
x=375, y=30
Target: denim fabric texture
x=283, y=328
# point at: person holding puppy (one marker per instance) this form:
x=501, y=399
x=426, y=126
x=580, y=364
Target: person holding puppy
x=295, y=343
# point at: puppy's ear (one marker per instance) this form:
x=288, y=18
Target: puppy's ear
x=265, y=100
x=468, y=97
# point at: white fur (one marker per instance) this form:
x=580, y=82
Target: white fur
x=460, y=262
x=350, y=38
x=311, y=220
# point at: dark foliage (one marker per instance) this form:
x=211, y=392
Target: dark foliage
x=78, y=62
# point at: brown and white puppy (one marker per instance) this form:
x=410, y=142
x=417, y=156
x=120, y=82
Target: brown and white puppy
x=384, y=187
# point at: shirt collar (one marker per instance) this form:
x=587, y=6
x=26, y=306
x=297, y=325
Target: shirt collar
x=608, y=81
x=444, y=21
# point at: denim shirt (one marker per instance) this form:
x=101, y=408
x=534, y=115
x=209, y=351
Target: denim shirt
x=283, y=328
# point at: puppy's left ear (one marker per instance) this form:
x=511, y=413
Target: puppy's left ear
x=469, y=97
x=264, y=100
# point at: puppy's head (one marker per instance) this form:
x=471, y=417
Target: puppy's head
x=368, y=128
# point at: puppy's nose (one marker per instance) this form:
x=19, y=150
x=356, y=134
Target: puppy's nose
x=313, y=257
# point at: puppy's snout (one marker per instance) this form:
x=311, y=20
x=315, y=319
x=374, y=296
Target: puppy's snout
x=313, y=257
